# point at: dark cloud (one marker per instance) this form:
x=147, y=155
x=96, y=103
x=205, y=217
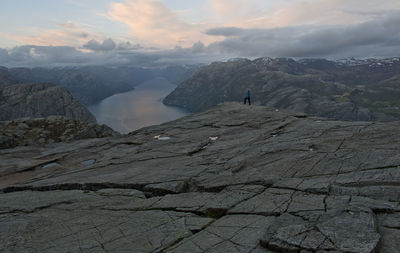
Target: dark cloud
x=82, y=35
x=107, y=45
x=225, y=31
x=49, y=56
x=30, y=55
x=129, y=46
x=198, y=47
x=377, y=38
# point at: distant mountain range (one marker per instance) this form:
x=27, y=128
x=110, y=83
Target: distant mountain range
x=91, y=84
x=347, y=89
x=6, y=78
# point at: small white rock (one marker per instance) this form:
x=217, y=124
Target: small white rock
x=88, y=162
x=50, y=165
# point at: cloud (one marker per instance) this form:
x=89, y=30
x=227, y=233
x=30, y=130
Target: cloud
x=380, y=37
x=107, y=45
x=235, y=11
x=198, y=47
x=226, y=31
x=235, y=28
x=153, y=23
x=129, y=46
x=375, y=38
x=123, y=54
x=66, y=34
x=38, y=55
x=327, y=12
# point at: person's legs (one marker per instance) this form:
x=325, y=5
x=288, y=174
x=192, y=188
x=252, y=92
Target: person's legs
x=249, y=100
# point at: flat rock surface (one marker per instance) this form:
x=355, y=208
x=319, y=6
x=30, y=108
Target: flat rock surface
x=232, y=179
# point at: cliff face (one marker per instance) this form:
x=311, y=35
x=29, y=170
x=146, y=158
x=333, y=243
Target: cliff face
x=42, y=131
x=40, y=100
x=317, y=87
x=231, y=179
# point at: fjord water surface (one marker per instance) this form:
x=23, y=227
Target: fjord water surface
x=139, y=108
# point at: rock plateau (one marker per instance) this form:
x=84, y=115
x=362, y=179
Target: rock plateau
x=232, y=179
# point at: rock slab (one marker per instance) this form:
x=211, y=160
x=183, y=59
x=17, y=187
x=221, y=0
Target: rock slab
x=273, y=181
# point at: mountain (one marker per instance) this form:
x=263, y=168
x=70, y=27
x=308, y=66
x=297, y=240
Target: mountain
x=6, y=78
x=40, y=100
x=91, y=84
x=178, y=73
x=85, y=86
x=231, y=179
x=337, y=90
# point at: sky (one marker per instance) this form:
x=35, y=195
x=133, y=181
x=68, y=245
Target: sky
x=157, y=32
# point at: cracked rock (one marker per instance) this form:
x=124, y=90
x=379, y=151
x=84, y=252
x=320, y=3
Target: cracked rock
x=258, y=188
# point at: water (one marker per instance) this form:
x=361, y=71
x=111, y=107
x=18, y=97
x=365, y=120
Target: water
x=139, y=108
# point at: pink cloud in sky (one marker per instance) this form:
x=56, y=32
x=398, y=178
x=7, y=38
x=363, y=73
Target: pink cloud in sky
x=67, y=34
x=153, y=23
x=235, y=11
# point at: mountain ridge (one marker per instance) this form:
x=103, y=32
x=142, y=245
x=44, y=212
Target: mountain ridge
x=314, y=86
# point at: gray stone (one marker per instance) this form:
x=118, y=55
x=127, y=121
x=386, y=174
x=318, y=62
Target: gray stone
x=273, y=181
x=349, y=231
x=232, y=233
x=352, y=232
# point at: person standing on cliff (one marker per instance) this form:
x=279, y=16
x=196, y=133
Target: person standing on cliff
x=248, y=97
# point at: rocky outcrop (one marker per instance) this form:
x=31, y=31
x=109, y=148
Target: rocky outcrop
x=40, y=100
x=231, y=179
x=42, y=131
x=316, y=87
